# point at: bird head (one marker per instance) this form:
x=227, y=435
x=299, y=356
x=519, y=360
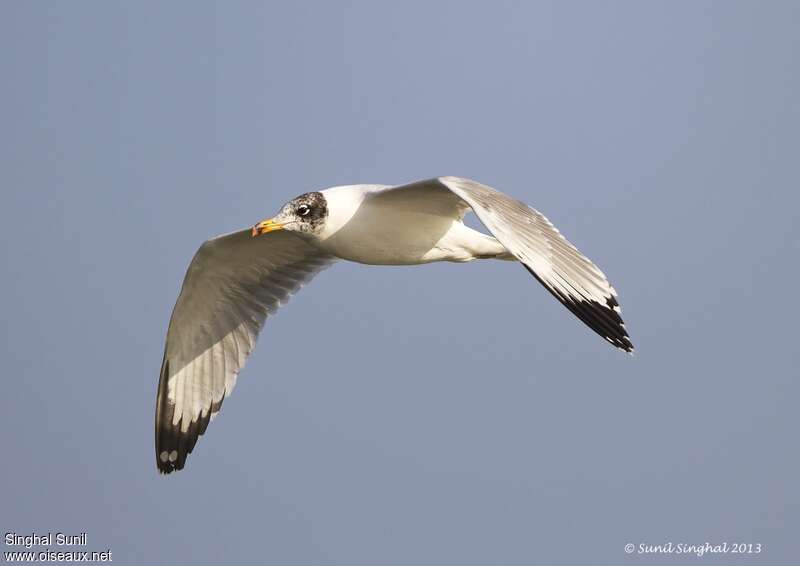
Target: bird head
x=304, y=215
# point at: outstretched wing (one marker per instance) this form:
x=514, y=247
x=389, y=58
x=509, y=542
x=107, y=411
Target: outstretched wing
x=525, y=232
x=233, y=283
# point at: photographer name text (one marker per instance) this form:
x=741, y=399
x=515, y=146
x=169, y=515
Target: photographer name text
x=45, y=539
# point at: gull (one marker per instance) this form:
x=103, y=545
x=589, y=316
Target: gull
x=236, y=281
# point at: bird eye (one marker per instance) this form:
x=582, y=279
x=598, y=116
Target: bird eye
x=303, y=209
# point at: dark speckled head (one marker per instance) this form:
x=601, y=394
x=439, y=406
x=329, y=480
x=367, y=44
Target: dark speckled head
x=305, y=214
x=311, y=210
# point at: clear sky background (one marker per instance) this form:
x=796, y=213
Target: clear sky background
x=443, y=414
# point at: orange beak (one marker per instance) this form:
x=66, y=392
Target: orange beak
x=266, y=226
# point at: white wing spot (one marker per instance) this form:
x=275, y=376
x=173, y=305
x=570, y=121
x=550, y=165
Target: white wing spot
x=163, y=456
x=172, y=455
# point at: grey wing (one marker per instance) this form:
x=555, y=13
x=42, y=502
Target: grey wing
x=525, y=232
x=232, y=285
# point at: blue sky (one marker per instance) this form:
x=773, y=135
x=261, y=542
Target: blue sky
x=410, y=415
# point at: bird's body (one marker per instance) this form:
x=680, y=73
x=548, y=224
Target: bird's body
x=372, y=226
x=237, y=280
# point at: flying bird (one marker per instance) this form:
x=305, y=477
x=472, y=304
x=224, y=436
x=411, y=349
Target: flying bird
x=236, y=281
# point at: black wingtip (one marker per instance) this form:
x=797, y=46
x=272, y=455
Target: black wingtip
x=604, y=319
x=173, y=445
